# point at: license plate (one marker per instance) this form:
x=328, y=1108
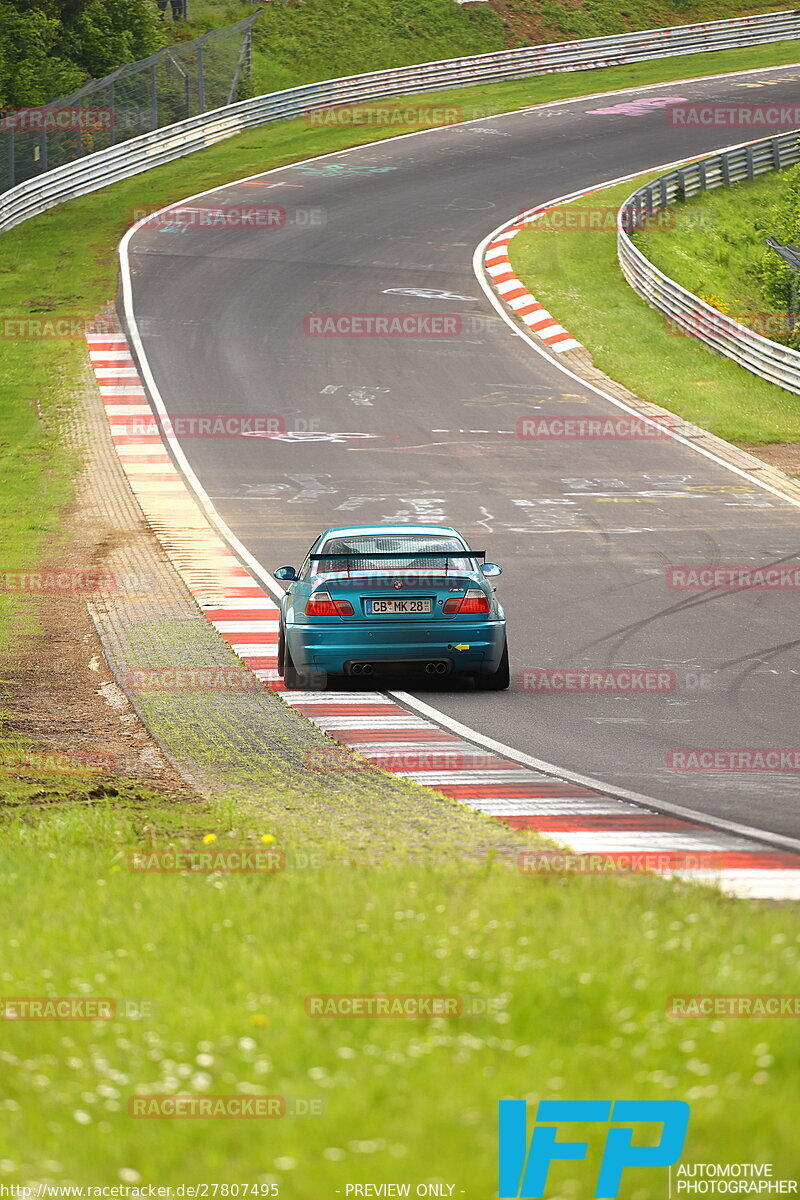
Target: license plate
x=378, y=608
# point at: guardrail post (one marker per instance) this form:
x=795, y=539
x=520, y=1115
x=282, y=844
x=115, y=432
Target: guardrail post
x=111, y=95
x=776, y=153
x=201, y=83
x=153, y=97
x=725, y=169
x=751, y=174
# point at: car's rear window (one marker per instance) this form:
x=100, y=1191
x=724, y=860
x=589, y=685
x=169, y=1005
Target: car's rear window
x=414, y=548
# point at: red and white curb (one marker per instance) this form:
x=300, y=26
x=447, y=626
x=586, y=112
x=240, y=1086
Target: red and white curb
x=375, y=725
x=515, y=294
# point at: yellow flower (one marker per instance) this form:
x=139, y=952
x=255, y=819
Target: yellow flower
x=259, y=1019
x=209, y=838
x=267, y=839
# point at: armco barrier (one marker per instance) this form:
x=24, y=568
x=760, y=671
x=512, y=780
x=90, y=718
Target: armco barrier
x=776, y=363
x=174, y=141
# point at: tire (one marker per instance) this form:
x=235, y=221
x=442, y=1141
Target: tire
x=498, y=680
x=281, y=651
x=301, y=680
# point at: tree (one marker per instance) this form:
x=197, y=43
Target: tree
x=49, y=48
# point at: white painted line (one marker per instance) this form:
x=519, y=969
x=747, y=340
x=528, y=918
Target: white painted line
x=245, y=626
x=255, y=649
x=466, y=777
x=623, y=841
x=749, y=885
x=510, y=807
x=128, y=410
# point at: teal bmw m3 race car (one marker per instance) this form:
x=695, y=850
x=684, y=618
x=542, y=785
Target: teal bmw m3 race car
x=412, y=601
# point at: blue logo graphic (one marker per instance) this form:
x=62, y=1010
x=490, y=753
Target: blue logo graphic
x=524, y=1169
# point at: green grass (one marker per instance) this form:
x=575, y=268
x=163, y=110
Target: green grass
x=578, y=971
x=576, y=275
x=717, y=249
x=319, y=39
x=581, y=968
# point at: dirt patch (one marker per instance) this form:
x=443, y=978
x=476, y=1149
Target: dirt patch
x=59, y=695
x=56, y=690
x=784, y=456
x=522, y=26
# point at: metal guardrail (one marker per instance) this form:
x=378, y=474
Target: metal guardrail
x=97, y=170
x=687, y=313
x=171, y=85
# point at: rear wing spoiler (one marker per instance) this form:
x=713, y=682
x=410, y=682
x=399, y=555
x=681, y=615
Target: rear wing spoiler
x=401, y=554
x=349, y=555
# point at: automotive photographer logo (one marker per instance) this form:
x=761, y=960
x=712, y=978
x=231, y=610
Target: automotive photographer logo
x=524, y=1167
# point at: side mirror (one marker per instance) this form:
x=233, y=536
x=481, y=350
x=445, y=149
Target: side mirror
x=286, y=573
x=491, y=569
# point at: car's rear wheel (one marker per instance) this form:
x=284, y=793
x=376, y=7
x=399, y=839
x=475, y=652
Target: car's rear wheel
x=301, y=680
x=281, y=651
x=496, y=681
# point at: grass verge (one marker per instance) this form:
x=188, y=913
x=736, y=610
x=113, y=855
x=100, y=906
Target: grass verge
x=576, y=275
x=319, y=39
x=575, y=974
x=718, y=248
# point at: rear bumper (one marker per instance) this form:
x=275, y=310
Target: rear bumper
x=332, y=648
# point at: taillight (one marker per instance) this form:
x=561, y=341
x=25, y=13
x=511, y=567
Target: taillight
x=474, y=601
x=321, y=604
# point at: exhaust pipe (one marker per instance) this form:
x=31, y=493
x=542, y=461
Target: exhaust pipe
x=366, y=669
x=356, y=669
x=441, y=668
x=430, y=668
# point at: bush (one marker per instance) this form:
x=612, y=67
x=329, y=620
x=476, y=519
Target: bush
x=49, y=48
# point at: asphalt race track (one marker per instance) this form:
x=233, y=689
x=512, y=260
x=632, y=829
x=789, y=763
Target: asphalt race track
x=423, y=429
